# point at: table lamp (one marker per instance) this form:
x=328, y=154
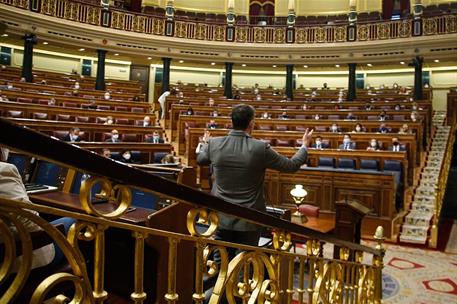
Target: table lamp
x=298, y=194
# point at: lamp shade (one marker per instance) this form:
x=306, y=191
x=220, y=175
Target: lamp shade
x=298, y=191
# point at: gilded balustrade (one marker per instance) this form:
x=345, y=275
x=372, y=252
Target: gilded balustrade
x=254, y=275
x=127, y=21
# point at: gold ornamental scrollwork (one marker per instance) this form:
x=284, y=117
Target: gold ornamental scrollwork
x=241, y=34
x=260, y=35
x=200, y=31
x=282, y=240
x=340, y=34
x=362, y=32
x=320, y=34
x=404, y=29
x=120, y=193
x=279, y=35
x=202, y=217
x=219, y=33
x=451, y=24
x=301, y=35
x=430, y=26
x=181, y=29
x=383, y=30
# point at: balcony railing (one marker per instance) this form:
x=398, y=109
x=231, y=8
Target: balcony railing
x=273, y=275
x=147, y=24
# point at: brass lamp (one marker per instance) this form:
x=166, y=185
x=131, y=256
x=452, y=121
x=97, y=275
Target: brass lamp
x=298, y=194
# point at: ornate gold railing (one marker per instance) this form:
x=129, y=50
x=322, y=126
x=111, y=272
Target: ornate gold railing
x=255, y=275
x=134, y=22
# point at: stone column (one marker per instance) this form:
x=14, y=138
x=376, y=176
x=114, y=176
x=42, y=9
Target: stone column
x=228, y=80
x=27, y=59
x=289, y=81
x=166, y=74
x=417, y=63
x=351, y=84
x=100, y=80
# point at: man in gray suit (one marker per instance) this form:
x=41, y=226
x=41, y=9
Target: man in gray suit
x=239, y=163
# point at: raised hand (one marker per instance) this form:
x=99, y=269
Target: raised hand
x=307, y=137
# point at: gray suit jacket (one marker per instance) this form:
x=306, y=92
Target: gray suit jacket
x=239, y=163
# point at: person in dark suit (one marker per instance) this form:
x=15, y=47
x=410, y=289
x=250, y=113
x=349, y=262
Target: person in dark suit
x=72, y=136
x=347, y=144
x=239, y=162
x=319, y=144
x=155, y=138
x=396, y=146
x=114, y=137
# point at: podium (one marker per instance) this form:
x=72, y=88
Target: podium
x=348, y=222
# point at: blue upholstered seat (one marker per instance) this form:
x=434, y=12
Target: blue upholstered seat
x=328, y=162
x=369, y=164
x=346, y=163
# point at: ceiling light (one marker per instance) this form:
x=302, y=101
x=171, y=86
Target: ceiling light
x=213, y=63
x=436, y=60
x=337, y=65
x=149, y=58
x=402, y=62
x=305, y=66
x=274, y=65
x=181, y=61
x=82, y=49
x=4, y=35
x=116, y=54
x=244, y=64
x=45, y=42
x=369, y=64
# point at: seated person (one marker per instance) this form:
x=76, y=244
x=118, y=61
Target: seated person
x=374, y=145
x=106, y=153
x=397, y=107
x=404, y=129
x=258, y=97
x=358, y=128
x=265, y=115
x=72, y=136
x=414, y=116
x=189, y=111
x=395, y=85
x=107, y=96
x=382, y=116
x=146, y=121
x=383, y=129
x=109, y=120
x=317, y=117
x=52, y=102
x=351, y=116
x=126, y=157
x=334, y=128
x=237, y=95
x=136, y=98
x=215, y=113
x=319, y=144
x=212, y=124
x=347, y=144
x=325, y=87
x=180, y=94
x=76, y=86
x=396, y=146
x=369, y=106
x=403, y=91
x=284, y=115
x=169, y=159
x=92, y=104
x=156, y=138
x=304, y=107
x=114, y=137
x=415, y=107
x=211, y=102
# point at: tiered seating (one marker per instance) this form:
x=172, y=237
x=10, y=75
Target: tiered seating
x=427, y=201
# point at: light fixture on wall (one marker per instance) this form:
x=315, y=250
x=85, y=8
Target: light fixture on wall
x=181, y=61
x=402, y=62
x=305, y=66
x=274, y=65
x=337, y=65
x=5, y=35
x=369, y=65
x=149, y=58
x=244, y=64
x=213, y=63
x=82, y=49
x=298, y=194
x=436, y=60
x=116, y=54
x=45, y=42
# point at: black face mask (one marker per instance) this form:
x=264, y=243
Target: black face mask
x=395, y=143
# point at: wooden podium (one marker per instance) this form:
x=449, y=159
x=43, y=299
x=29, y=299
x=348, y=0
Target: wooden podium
x=348, y=221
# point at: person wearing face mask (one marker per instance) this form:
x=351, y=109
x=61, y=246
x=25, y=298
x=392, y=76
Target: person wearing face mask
x=358, y=128
x=347, y=144
x=189, y=111
x=383, y=129
x=382, y=116
x=155, y=138
x=265, y=115
x=284, y=115
x=212, y=124
x=109, y=120
x=404, y=129
x=320, y=144
x=317, y=117
x=72, y=136
x=126, y=157
x=374, y=145
x=76, y=87
x=413, y=116
x=397, y=107
x=215, y=113
x=114, y=137
x=146, y=121
x=350, y=116
x=368, y=106
x=396, y=146
x=107, y=96
x=258, y=97
x=334, y=128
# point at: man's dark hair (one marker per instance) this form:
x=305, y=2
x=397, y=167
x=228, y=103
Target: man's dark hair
x=241, y=116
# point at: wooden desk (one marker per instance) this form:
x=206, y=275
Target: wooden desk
x=70, y=201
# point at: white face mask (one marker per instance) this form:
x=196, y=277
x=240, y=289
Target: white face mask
x=334, y=128
x=316, y=117
x=10, y=86
x=127, y=156
x=373, y=144
x=4, y=154
x=77, y=86
x=318, y=142
x=145, y=123
x=346, y=140
x=107, y=96
x=357, y=129
x=115, y=136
